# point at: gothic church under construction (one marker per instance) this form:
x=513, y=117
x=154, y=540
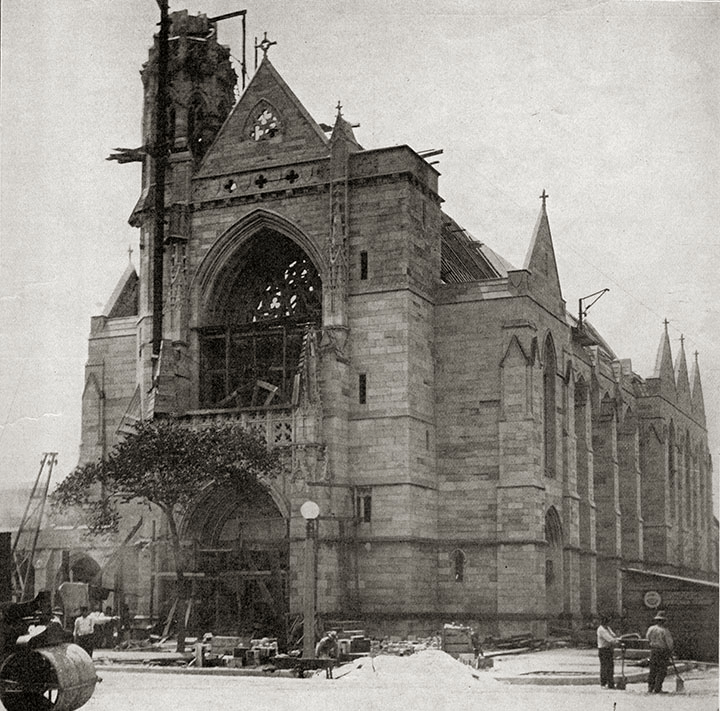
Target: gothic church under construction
x=476, y=452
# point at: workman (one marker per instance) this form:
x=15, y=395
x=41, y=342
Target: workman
x=606, y=640
x=84, y=630
x=661, y=648
x=327, y=647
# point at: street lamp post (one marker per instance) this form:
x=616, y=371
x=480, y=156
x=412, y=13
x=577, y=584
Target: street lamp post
x=310, y=511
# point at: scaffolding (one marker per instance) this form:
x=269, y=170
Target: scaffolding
x=25, y=544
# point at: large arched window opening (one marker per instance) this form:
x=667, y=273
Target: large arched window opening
x=549, y=408
x=263, y=301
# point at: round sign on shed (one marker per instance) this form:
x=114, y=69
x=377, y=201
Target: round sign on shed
x=652, y=599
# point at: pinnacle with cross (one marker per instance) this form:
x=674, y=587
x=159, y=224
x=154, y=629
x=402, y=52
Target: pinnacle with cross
x=544, y=197
x=130, y=253
x=339, y=109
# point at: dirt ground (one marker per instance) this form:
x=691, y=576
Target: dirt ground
x=427, y=681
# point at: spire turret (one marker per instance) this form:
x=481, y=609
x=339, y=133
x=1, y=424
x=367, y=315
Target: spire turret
x=343, y=131
x=682, y=384
x=696, y=393
x=540, y=262
x=664, y=371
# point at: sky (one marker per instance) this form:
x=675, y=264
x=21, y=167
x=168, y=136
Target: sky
x=611, y=107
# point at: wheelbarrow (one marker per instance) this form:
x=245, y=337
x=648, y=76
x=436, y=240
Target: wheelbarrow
x=622, y=682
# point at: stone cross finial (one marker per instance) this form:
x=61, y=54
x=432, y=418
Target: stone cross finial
x=130, y=252
x=339, y=109
x=667, y=323
x=682, y=340
x=265, y=45
x=544, y=197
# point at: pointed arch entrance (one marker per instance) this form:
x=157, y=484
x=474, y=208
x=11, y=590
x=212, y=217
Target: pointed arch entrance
x=239, y=542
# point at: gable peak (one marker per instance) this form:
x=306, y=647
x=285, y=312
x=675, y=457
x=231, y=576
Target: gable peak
x=124, y=298
x=268, y=121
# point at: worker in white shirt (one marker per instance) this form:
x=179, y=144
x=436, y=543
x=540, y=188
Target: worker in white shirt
x=606, y=640
x=84, y=631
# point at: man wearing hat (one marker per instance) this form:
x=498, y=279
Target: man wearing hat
x=661, y=647
x=327, y=647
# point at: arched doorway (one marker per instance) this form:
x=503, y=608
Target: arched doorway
x=553, y=563
x=82, y=568
x=240, y=552
x=257, y=308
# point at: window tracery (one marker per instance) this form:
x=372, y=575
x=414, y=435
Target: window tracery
x=266, y=124
x=252, y=343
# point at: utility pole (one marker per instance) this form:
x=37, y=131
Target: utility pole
x=310, y=512
x=159, y=153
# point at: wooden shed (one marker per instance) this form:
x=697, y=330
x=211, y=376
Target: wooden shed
x=691, y=608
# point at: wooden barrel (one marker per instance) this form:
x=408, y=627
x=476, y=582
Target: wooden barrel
x=61, y=678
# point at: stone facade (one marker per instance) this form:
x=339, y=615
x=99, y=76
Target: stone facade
x=476, y=452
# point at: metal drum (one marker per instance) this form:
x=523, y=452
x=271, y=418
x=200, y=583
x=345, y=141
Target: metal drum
x=61, y=678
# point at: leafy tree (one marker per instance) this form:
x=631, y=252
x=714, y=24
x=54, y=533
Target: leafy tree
x=167, y=464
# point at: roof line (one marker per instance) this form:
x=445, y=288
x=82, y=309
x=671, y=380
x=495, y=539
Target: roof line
x=707, y=583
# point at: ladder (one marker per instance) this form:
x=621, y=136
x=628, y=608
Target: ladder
x=23, y=549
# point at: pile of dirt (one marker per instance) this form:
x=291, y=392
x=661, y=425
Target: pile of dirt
x=428, y=666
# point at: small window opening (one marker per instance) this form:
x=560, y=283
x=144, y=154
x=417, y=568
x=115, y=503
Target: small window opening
x=549, y=572
x=458, y=558
x=363, y=505
x=363, y=265
x=427, y=439
x=362, y=388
